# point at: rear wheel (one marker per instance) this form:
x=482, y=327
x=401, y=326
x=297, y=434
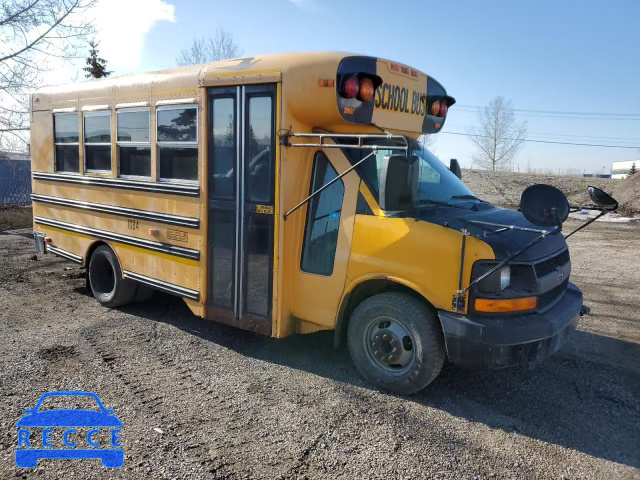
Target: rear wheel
x=396, y=342
x=105, y=278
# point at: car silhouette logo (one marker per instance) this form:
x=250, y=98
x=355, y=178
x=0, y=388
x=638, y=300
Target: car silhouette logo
x=69, y=419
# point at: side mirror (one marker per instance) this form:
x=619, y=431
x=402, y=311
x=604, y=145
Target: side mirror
x=454, y=166
x=602, y=199
x=544, y=205
x=399, y=182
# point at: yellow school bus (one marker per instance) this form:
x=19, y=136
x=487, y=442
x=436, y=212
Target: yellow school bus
x=289, y=194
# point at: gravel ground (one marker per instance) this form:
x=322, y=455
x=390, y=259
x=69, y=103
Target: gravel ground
x=504, y=188
x=231, y=404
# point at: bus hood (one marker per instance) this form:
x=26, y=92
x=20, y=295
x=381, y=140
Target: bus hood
x=503, y=244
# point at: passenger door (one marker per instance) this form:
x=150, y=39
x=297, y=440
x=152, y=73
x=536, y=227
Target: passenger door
x=241, y=205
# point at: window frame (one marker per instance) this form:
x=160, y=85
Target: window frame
x=134, y=144
x=97, y=113
x=174, y=144
x=55, y=144
x=306, y=224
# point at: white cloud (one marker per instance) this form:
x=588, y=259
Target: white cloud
x=121, y=27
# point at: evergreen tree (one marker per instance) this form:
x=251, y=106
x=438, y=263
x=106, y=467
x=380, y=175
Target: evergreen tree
x=633, y=169
x=96, y=66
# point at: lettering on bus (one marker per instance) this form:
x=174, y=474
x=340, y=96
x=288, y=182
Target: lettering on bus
x=400, y=99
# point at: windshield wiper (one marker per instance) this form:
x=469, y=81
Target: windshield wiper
x=468, y=197
x=429, y=201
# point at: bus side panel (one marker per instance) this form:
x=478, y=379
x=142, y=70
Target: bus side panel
x=41, y=141
x=428, y=260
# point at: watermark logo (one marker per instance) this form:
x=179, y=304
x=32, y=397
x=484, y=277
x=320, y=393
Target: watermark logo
x=69, y=433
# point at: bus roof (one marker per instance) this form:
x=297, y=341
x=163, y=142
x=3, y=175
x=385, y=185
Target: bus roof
x=190, y=75
x=400, y=102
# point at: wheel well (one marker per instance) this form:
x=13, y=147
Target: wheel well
x=360, y=293
x=90, y=251
x=87, y=259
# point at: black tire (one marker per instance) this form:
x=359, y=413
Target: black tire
x=396, y=327
x=105, y=279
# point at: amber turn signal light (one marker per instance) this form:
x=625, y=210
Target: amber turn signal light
x=489, y=305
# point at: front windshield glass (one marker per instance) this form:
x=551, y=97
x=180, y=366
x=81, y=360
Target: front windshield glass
x=437, y=182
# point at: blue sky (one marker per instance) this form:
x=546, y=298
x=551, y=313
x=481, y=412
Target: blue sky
x=581, y=56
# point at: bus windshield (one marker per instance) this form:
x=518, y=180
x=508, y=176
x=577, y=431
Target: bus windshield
x=437, y=184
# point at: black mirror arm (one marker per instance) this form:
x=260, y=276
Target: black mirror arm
x=460, y=296
x=331, y=182
x=588, y=222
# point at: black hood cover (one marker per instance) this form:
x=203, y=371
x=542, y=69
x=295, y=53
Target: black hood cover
x=503, y=244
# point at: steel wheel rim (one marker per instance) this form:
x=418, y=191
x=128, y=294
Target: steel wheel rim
x=390, y=345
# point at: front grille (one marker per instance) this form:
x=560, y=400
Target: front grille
x=547, y=266
x=547, y=298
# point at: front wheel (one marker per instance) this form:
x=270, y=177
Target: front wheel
x=396, y=342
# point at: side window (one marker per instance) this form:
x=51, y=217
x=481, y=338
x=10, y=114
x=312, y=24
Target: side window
x=134, y=147
x=323, y=219
x=97, y=142
x=177, y=140
x=67, y=150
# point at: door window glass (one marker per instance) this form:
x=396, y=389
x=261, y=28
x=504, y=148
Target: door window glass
x=323, y=219
x=224, y=155
x=259, y=150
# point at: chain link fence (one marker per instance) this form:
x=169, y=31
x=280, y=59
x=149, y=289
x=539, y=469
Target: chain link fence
x=15, y=179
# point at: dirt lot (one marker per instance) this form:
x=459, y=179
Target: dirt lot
x=504, y=188
x=15, y=217
x=231, y=404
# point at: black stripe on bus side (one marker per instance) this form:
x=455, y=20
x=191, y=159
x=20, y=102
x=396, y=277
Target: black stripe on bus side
x=189, y=222
x=168, y=188
x=171, y=288
x=64, y=254
x=125, y=239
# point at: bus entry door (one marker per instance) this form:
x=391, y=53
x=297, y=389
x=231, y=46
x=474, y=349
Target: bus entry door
x=241, y=205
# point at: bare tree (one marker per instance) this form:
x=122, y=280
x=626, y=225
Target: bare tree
x=209, y=48
x=497, y=136
x=429, y=141
x=32, y=31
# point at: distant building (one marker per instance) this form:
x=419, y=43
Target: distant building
x=621, y=169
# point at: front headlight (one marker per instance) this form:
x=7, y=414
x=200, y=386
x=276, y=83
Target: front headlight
x=510, y=280
x=505, y=277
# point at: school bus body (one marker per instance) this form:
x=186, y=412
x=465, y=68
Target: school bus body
x=162, y=231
